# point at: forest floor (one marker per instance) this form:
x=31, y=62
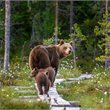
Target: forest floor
x=17, y=89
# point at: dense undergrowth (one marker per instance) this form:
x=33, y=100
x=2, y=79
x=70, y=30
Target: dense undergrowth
x=18, y=74
x=67, y=70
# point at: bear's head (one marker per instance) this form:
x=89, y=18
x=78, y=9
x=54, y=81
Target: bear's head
x=34, y=72
x=65, y=48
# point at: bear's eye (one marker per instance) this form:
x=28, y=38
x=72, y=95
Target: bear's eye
x=47, y=73
x=70, y=48
x=65, y=48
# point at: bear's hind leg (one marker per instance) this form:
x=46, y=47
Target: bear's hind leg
x=40, y=89
x=46, y=88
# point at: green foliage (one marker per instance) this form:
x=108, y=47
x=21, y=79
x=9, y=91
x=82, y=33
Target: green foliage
x=91, y=93
x=101, y=29
x=89, y=45
x=84, y=49
x=49, y=41
x=77, y=33
x=38, y=17
x=102, y=33
x=2, y=18
x=86, y=65
x=19, y=74
x=9, y=99
x=48, y=25
x=24, y=105
x=102, y=58
x=10, y=85
x=67, y=70
x=6, y=92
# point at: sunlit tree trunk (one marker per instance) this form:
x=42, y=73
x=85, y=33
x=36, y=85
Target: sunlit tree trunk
x=7, y=34
x=56, y=21
x=106, y=11
x=71, y=31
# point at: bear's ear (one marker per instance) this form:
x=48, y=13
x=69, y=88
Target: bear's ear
x=36, y=69
x=71, y=43
x=62, y=42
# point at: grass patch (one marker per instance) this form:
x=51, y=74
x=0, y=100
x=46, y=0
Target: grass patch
x=24, y=105
x=23, y=82
x=18, y=79
x=18, y=75
x=67, y=70
x=91, y=93
x=9, y=99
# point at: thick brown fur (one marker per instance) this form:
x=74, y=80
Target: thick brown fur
x=33, y=44
x=46, y=56
x=51, y=75
x=41, y=80
x=50, y=72
x=39, y=58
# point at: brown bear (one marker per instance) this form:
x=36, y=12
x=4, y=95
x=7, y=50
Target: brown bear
x=51, y=75
x=41, y=77
x=50, y=72
x=46, y=56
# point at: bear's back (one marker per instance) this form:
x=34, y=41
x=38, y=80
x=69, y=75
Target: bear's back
x=39, y=58
x=41, y=78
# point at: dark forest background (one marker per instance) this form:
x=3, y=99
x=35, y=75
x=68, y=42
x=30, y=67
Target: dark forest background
x=33, y=21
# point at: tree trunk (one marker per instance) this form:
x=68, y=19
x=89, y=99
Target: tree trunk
x=56, y=21
x=71, y=31
x=106, y=10
x=7, y=34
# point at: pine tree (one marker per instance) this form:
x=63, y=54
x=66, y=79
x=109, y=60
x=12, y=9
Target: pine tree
x=107, y=43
